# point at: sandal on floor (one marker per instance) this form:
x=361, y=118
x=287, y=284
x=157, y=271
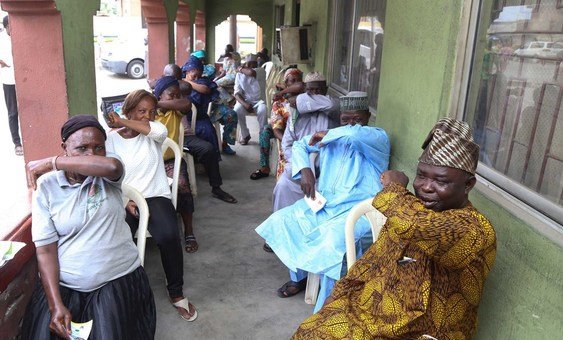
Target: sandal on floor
x=258, y=174
x=223, y=196
x=245, y=140
x=228, y=151
x=291, y=288
x=185, y=304
x=191, y=244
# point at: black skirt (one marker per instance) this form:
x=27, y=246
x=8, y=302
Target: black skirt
x=121, y=309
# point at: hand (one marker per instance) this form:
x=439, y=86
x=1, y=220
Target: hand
x=292, y=101
x=317, y=137
x=394, y=176
x=114, y=120
x=248, y=107
x=132, y=208
x=278, y=96
x=308, y=182
x=60, y=321
x=34, y=169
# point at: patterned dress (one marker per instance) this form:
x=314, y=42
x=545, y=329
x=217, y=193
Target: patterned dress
x=438, y=294
x=278, y=120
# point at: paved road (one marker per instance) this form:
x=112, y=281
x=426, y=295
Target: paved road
x=14, y=199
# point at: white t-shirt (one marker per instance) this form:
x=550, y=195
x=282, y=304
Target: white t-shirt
x=142, y=157
x=6, y=73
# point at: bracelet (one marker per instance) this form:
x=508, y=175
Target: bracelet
x=54, y=163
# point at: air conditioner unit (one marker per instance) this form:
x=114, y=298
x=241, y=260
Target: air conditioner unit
x=296, y=45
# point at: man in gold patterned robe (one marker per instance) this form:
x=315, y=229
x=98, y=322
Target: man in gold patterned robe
x=423, y=278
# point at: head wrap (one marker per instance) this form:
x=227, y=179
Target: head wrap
x=293, y=71
x=354, y=101
x=450, y=143
x=193, y=63
x=79, y=122
x=199, y=54
x=209, y=71
x=163, y=83
x=314, y=76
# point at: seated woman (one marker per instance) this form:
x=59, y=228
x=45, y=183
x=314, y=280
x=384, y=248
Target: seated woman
x=227, y=75
x=293, y=85
x=138, y=141
x=204, y=92
x=171, y=107
x=90, y=268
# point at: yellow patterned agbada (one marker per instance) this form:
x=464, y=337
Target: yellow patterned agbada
x=437, y=295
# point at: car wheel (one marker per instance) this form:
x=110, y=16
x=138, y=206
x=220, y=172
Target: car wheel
x=136, y=69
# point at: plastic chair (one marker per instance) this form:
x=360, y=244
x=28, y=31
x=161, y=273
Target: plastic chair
x=188, y=158
x=274, y=155
x=130, y=193
x=169, y=143
x=376, y=220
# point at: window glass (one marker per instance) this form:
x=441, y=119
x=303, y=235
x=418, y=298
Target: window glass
x=514, y=101
x=357, y=46
x=343, y=28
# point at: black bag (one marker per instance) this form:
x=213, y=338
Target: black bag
x=114, y=104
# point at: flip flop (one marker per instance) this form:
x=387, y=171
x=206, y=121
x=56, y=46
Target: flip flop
x=191, y=244
x=228, y=151
x=184, y=303
x=225, y=197
x=244, y=141
x=284, y=291
x=258, y=174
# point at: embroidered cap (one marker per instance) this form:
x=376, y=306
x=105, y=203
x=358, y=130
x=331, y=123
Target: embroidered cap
x=251, y=57
x=450, y=143
x=354, y=101
x=314, y=76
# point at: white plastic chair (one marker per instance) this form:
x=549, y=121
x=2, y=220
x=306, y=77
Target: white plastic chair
x=376, y=220
x=274, y=155
x=188, y=158
x=130, y=193
x=169, y=143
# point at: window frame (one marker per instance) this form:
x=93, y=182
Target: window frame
x=333, y=88
x=529, y=206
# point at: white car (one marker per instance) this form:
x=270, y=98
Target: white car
x=126, y=55
x=541, y=49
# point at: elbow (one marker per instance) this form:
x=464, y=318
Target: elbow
x=115, y=169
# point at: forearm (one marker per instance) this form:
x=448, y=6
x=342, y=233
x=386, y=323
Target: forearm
x=240, y=99
x=181, y=104
x=142, y=127
x=97, y=166
x=48, y=263
x=200, y=88
x=295, y=88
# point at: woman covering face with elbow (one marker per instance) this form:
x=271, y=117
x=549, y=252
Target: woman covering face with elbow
x=138, y=141
x=89, y=265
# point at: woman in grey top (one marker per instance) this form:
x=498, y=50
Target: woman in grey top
x=89, y=265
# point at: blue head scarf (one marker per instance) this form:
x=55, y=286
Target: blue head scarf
x=163, y=83
x=193, y=63
x=199, y=54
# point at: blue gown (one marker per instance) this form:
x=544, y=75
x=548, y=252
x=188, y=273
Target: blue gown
x=352, y=159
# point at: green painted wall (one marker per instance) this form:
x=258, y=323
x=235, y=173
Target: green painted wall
x=260, y=11
x=78, y=45
x=523, y=296
x=316, y=13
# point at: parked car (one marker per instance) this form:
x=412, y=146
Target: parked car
x=541, y=49
x=126, y=55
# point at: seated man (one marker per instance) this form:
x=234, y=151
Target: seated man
x=423, y=278
x=250, y=84
x=352, y=158
x=315, y=112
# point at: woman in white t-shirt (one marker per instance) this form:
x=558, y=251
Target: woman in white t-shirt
x=90, y=268
x=138, y=141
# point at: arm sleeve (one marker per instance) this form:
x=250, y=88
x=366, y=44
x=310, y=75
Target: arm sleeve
x=371, y=142
x=158, y=132
x=237, y=87
x=451, y=237
x=300, y=156
x=43, y=229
